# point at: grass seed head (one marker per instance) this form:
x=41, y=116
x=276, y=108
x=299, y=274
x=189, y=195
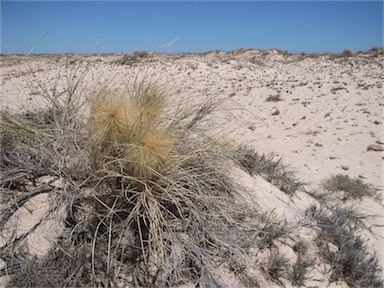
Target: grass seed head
x=149, y=153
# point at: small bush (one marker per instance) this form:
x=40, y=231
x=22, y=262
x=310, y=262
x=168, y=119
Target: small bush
x=347, y=53
x=350, y=188
x=134, y=57
x=273, y=98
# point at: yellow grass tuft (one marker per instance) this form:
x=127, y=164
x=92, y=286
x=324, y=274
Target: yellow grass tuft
x=127, y=128
x=111, y=119
x=148, y=154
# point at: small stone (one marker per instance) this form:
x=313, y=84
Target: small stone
x=332, y=157
x=380, y=142
x=276, y=112
x=318, y=145
x=376, y=122
x=375, y=147
x=252, y=127
x=345, y=167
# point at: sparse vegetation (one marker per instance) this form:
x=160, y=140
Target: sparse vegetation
x=347, y=53
x=349, y=188
x=142, y=195
x=344, y=249
x=279, y=268
x=256, y=61
x=142, y=192
x=273, y=98
x=134, y=57
x=268, y=167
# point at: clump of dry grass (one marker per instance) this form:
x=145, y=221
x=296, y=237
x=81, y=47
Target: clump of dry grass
x=349, y=188
x=343, y=247
x=128, y=127
x=268, y=167
x=147, y=200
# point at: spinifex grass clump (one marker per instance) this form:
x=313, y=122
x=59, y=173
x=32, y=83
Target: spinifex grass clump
x=127, y=128
x=164, y=194
x=144, y=197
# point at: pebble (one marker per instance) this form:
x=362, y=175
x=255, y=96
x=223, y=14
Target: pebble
x=375, y=147
x=345, y=167
x=276, y=112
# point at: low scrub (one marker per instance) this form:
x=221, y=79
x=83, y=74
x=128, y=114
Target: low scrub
x=273, y=170
x=146, y=198
x=349, y=188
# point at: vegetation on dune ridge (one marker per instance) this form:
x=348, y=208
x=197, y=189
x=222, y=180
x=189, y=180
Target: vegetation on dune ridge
x=142, y=196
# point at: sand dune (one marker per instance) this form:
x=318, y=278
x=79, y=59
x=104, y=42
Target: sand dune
x=321, y=113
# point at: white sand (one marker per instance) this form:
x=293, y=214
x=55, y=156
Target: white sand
x=331, y=110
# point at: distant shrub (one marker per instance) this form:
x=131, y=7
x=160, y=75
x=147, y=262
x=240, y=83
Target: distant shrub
x=134, y=57
x=351, y=188
x=347, y=53
x=377, y=50
x=274, y=98
x=256, y=61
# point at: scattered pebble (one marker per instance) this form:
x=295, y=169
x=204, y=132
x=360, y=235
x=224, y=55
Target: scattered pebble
x=345, y=167
x=375, y=147
x=276, y=112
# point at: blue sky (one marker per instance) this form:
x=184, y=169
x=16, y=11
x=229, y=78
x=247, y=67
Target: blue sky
x=127, y=26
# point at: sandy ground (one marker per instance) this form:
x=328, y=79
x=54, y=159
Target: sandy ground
x=331, y=107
